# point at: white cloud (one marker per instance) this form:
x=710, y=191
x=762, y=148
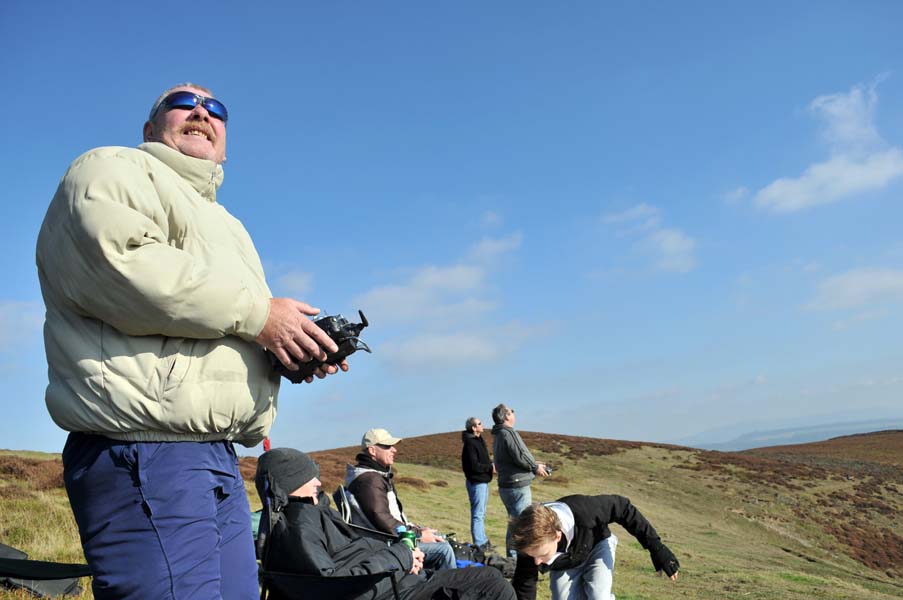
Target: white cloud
x=491, y=218
x=848, y=118
x=20, y=323
x=296, y=284
x=830, y=181
x=674, y=250
x=861, y=161
x=641, y=216
x=434, y=295
x=488, y=249
x=440, y=350
x=856, y=319
x=736, y=196
x=859, y=288
x=671, y=249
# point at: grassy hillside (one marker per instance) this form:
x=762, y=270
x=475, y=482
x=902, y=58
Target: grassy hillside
x=820, y=520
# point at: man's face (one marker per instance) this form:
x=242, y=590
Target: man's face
x=383, y=455
x=311, y=489
x=192, y=132
x=509, y=419
x=542, y=553
x=478, y=428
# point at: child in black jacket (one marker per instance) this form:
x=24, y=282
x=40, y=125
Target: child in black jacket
x=570, y=538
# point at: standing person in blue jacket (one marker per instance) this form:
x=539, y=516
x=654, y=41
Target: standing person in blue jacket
x=158, y=311
x=570, y=539
x=478, y=471
x=515, y=466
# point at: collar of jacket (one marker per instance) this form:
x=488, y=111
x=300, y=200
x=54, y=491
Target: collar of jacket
x=203, y=175
x=366, y=461
x=500, y=427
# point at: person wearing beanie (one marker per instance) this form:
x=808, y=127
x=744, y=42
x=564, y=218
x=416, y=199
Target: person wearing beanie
x=570, y=539
x=307, y=537
x=371, y=485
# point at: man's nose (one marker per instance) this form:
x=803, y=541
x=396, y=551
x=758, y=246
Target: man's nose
x=199, y=112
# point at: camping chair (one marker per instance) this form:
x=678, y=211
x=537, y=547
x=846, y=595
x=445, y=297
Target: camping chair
x=291, y=586
x=350, y=510
x=275, y=585
x=41, y=578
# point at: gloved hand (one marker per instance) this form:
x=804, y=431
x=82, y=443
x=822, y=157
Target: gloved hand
x=663, y=559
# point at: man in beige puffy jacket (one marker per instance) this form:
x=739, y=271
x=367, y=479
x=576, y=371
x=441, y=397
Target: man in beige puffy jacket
x=157, y=315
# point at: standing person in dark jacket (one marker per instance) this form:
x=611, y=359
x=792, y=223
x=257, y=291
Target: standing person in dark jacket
x=310, y=538
x=515, y=466
x=570, y=538
x=478, y=470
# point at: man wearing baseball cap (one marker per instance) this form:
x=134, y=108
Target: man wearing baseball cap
x=371, y=484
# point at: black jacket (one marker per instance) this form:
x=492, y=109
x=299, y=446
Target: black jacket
x=373, y=487
x=592, y=514
x=314, y=540
x=475, y=459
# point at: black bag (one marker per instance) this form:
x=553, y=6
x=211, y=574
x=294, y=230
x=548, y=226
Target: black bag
x=42, y=579
x=505, y=564
x=464, y=551
x=474, y=554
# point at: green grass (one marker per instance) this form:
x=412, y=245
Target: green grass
x=734, y=538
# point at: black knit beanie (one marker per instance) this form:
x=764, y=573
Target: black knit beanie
x=286, y=469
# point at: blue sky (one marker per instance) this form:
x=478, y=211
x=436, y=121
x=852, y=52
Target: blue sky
x=634, y=220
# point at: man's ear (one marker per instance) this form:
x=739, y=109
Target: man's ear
x=371, y=451
x=558, y=536
x=148, y=131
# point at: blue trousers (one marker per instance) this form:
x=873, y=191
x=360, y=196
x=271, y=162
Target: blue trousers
x=479, y=497
x=161, y=520
x=438, y=555
x=590, y=581
x=515, y=501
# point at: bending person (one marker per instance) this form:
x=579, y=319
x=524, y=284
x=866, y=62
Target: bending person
x=570, y=538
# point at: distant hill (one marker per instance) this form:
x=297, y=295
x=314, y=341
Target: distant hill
x=742, y=439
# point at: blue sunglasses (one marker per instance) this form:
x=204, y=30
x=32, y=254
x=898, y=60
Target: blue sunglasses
x=188, y=100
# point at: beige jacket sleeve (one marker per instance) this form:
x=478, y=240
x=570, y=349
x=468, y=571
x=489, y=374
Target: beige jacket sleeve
x=118, y=250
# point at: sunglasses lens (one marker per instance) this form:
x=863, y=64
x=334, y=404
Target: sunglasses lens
x=181, y=100
x=189, y=100
x=216, y=109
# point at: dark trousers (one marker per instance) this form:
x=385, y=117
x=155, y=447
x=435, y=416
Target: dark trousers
x=473, y=583
x=161, y=520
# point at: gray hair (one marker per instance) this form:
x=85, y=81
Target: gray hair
x=470, y=424
x=499, y=413
x=162, y=97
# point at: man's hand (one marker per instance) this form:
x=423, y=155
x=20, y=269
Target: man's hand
x=428, y=535
x=664, y=560
x=541, y=470
x=418, y=560
x=289, y=333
